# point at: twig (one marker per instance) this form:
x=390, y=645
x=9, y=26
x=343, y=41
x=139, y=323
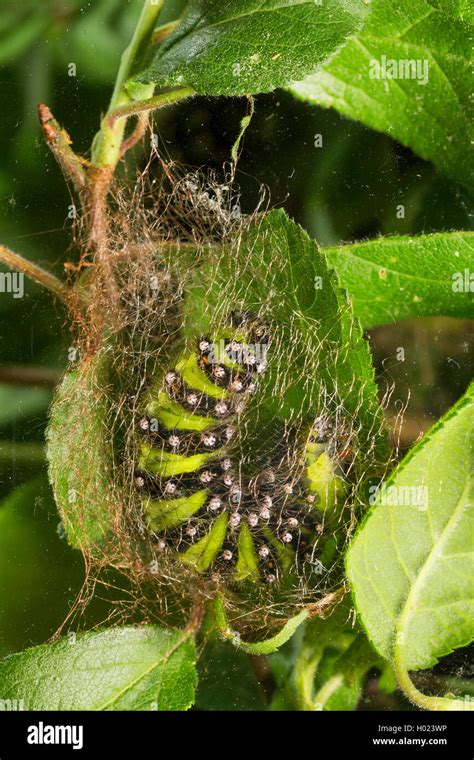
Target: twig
x=106, y=148
x=136, y=135
x=26, y=375
x=59, y=142
x=109, y=146
x=92, y=179
x=150, y=104
x=24, y=452
x=34, y=272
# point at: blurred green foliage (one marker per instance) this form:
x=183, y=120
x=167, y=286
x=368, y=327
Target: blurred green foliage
x=40, y=575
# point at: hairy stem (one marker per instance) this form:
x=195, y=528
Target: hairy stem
x=425, y=701
x=34, y=272
x=106, y=148
x=149, y=104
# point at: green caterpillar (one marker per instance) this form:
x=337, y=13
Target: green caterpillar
x=197, y=501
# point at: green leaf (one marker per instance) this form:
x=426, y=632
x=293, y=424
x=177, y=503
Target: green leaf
x=410, y=563
x=80, y=453
x=341, y=676
x=127, y=668
x=396, y=278
x=226, y=48
x=39, y=574
x=278, y=267
x=434, y=119
x=330, y=372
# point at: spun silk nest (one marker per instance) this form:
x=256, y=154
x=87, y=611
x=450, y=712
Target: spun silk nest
x=181, y=258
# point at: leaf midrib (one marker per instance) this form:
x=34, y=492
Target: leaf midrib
x=164, y=658
x=410, y=603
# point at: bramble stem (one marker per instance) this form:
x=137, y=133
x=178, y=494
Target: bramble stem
x=15, y=374
x=109, y=144
x=425, y=701
x=106, y=147
x=34, y=272
x=150, y=104
x=92, y=179
x=59, y=142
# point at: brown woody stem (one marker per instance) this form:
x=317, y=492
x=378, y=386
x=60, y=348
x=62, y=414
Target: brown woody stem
x=26, y=375
x=59, y=142
x=34, y=272
x=150, y=104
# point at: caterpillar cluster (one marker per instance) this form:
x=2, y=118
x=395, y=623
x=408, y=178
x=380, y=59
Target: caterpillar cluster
x=217, y=433
x=198, y=502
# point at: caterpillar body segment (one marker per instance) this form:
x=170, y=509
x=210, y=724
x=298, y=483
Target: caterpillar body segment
x=198, y=503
